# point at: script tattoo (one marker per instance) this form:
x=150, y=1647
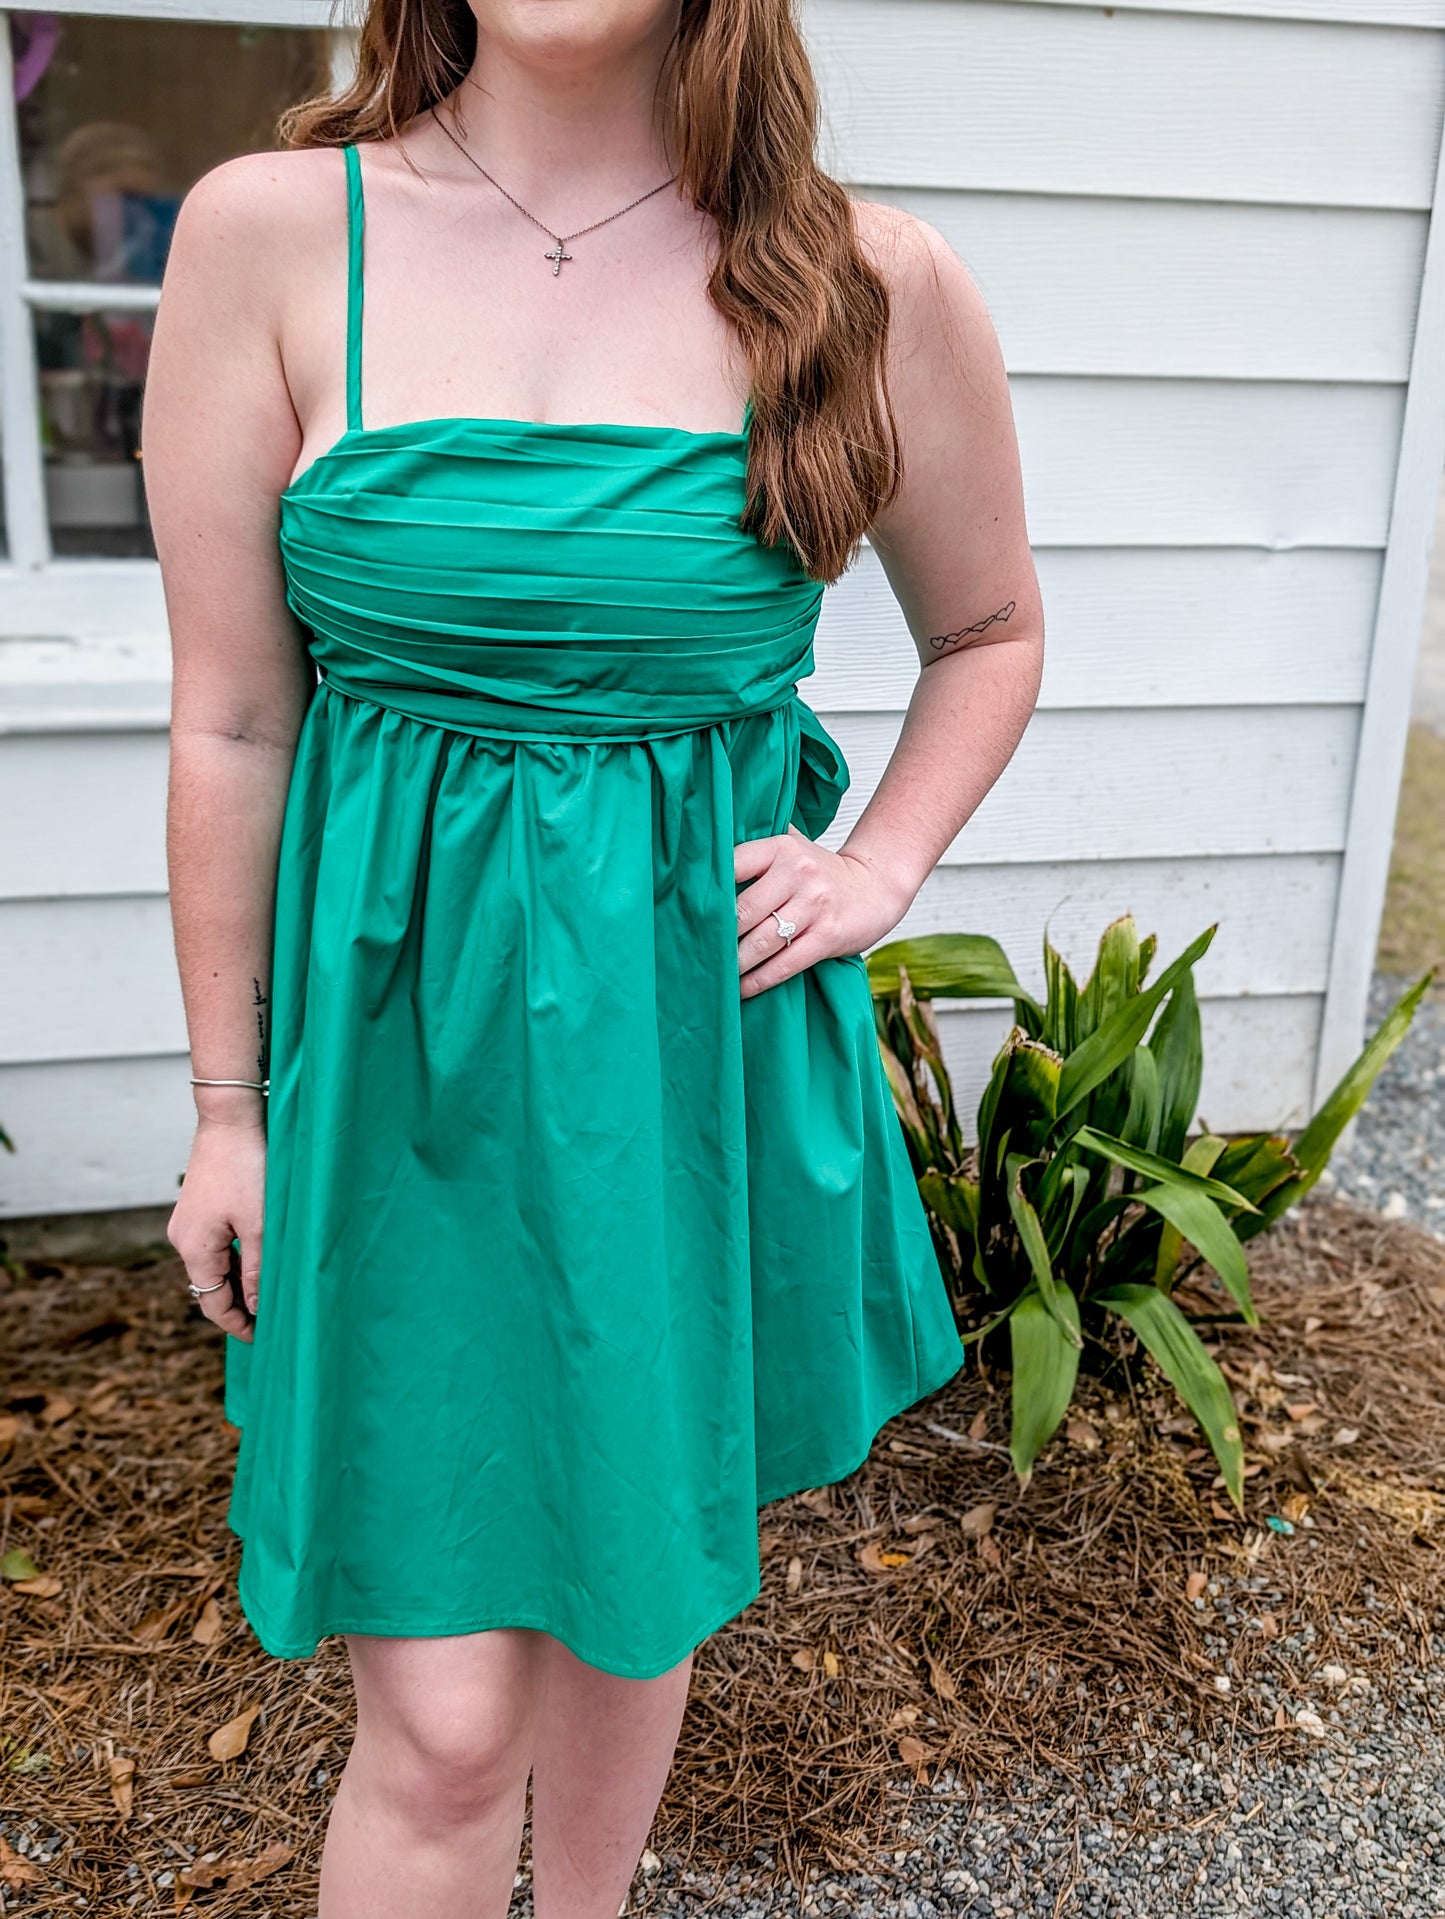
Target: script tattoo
x=260, y=1002
x=941, y=640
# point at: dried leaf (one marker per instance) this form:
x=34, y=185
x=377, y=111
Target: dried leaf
x=56, y=1408
x=1195, y=1586
x=9, y=1429
x=919, y=1523
x=16, y=1872
x=874, y=1559
x=17, y=1564
x=122, y=1784
x=988, y=1550
x=229, y=1741
x=1080, y=1433
x=921, y=1546
x=236, y=1874
x=805, y=1659
x=914, y=1754
x=978, y=1520
x=979, y=1424
x=795, y=1574
x=46, y=1586
x=154, y=1627
x=191, y=1776
x=832, y=1665
x=904, y=1716
x=207, y=1628
x=944, y=1683
x=1301, y=1408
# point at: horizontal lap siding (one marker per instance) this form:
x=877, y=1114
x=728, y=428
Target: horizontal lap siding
x=1201, y=236
x=1201, y=233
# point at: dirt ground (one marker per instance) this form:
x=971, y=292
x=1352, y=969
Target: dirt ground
x=925, y=1613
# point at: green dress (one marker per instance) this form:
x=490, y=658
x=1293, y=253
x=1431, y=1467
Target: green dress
x=572, y=1257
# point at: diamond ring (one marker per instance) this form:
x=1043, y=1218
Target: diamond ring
x=785, y=927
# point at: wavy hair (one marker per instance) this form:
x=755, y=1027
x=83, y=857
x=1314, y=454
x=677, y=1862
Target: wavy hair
x=738, y=107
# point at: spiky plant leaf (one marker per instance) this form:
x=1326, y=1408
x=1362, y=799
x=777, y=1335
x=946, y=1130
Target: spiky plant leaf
x=1180, y=1353
x=1045, y=1371
x=1177, y=1045
x=1314, y=1145
x=1106, y=1049
x=1201, y=1157
x=946, y=966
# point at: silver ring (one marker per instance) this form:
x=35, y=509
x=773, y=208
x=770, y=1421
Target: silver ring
x=197, y=1292
x=785, y=927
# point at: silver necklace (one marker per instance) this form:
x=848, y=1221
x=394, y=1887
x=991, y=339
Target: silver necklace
x=559, y=251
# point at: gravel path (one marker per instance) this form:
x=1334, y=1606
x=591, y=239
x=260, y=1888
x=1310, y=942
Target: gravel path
x=1396, y=1161
x=1350, y=1824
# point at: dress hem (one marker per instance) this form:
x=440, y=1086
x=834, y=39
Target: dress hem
x=473, y=1623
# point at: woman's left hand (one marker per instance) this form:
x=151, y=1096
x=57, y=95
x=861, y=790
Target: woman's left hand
x=838, y=903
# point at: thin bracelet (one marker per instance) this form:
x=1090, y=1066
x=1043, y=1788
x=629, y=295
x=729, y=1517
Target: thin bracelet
x=261, y=1085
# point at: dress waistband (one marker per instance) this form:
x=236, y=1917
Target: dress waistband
x=823, y=773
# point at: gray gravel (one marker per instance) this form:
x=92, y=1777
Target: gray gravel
x=1348, y=1823
x=1396, y=1160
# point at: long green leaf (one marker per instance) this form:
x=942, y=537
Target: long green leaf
x=946, y=966
x=1045, y=1371
x=1106, y=1049
x=1200, y=1221
x=1115, y=978
x=1200, y=1157
x=1152, y=1166
x=1178, y=1048
x=1176, y=1346
x=1031, y=1234
x=1315, y=1144
x=1061, y=1014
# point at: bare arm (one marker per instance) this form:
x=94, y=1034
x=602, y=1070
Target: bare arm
x=220, y=437
x=955, y=550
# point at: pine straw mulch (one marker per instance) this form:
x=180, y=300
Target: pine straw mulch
x=924, y=1617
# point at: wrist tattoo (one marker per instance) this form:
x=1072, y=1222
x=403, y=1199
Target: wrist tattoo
x=260, y=1002
x=941, y=640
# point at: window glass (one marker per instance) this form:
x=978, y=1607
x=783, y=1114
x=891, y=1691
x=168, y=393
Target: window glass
x=117, y=119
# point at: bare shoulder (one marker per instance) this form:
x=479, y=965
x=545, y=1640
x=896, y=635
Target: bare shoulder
x=940, y=327
x=250, y=221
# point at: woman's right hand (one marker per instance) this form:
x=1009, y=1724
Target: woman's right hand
x=222, y=1199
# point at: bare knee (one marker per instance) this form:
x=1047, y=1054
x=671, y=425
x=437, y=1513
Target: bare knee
x=443, y=1749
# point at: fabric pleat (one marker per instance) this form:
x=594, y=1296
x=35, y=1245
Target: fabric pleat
x=572, y=1257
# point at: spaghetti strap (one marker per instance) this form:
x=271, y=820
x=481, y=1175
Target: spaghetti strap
x=355, y=225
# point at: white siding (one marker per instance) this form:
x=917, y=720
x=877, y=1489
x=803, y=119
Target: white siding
x=1204, y=231
x=1204, y=234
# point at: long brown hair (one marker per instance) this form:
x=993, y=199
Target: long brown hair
x=739, y=109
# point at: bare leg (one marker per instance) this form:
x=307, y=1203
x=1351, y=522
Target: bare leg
x=428, y=1817
x=603, y=1750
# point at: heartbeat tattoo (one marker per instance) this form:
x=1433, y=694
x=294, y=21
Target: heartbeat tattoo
x=946, y=639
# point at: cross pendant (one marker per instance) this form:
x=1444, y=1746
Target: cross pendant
x=558, y=254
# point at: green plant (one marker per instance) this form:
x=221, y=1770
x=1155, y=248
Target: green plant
x=1075, y=1206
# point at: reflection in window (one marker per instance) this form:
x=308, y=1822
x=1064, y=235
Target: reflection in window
x=117, y=119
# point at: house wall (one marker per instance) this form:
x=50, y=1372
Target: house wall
x=1205, y=239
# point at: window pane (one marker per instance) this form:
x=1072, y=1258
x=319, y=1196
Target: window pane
x=92, y=371
x=117, y=119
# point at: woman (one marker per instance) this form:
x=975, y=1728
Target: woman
x=589, y=1227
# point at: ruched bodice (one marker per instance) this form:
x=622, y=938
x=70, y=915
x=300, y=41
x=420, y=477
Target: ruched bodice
x=543, y=581
x=573, y=1256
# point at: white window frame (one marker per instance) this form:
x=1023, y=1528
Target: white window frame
x=27, y=526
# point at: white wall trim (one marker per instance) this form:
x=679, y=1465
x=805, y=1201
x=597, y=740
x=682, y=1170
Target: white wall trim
x=1385, y=724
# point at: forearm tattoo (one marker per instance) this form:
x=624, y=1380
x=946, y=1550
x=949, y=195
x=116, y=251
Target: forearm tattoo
x=941, y=640
x=260, y=1002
